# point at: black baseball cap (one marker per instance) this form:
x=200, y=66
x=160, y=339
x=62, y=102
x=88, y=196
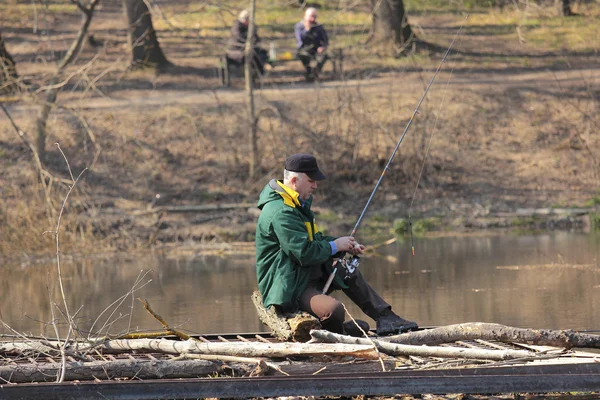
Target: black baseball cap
x=304, y=163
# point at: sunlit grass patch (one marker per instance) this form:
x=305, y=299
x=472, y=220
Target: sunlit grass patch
x=594, y=201
x=439, y=6
x=212, y=17
x=539, y=28
x=595, y=221
x=573, y=34
x=19, y=10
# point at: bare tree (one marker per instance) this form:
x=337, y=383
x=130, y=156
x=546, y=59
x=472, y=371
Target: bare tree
x=248, y=56
x=390, y=23
x=142, y=37
x=52, y=89
x=566, y=8
x=8, y=71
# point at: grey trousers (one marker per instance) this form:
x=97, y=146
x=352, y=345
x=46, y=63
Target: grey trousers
x=307, y=56
x=330, y=311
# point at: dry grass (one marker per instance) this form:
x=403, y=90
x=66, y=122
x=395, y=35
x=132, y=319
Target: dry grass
x=511, y=124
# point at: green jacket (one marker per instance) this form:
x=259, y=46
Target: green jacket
x=288, y=246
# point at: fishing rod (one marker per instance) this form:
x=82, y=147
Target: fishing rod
x=351, y=265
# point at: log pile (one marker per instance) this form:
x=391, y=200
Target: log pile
x=29, y=360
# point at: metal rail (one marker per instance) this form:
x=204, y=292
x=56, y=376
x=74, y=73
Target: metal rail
x=538, y=379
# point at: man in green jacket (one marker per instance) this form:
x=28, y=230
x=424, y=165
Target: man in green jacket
x=294, y=259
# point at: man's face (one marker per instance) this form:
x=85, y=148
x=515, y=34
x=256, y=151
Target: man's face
x=304, y=186
x=311, y=18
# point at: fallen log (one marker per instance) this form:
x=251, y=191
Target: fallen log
x=533, y=212
x=139, y=369
x=324, y=368
x=285, y=327
x=239, y=349
x=173, y=369
x=394, y=349
x=193, y=208
x=502, y=333
x=33, y=346
x=583, y=267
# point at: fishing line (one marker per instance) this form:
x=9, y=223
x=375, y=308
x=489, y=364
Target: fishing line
x=412, y=244
x=351, y=265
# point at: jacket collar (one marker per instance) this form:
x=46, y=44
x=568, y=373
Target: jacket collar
x=290, y=197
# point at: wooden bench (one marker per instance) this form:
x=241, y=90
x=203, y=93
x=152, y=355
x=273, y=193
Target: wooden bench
x=226, y=65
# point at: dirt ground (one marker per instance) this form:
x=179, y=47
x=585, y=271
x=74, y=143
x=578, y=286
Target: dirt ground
x=508, y=124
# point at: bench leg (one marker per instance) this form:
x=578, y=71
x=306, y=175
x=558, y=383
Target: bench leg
x=223, y=71
x=338, y=65
x=227, y=74
x=221, y=74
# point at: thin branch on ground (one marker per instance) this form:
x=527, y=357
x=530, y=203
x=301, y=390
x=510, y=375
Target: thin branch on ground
x=169, y=330
x=367, y=337
x=137, y=285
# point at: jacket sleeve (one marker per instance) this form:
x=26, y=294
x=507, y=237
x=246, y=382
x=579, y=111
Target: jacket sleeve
x=298, y=33
x=294, y=240
x=324, y=38
x=326, y=238
x=236, y=39
x=256, y=37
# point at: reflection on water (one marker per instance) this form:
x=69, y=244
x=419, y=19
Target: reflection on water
x=449, y=280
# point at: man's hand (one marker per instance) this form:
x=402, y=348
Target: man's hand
x=357, y=249
x=349, y=245
x=321, y=50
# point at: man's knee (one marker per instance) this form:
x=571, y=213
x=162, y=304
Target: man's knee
x=322, y=58
x=334, y=311
x=304, y=59
x=333, y=319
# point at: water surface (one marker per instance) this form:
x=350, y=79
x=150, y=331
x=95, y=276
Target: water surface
x=547, y=281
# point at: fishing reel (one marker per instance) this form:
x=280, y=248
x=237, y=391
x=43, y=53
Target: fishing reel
x=350, y=266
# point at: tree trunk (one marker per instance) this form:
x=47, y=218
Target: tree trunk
x=249, y=72
x=8, y=71
x=51, y=92
x=487, y=331
x=296, y=326
x=390, y=23
x=146, y=51
x=566, y=8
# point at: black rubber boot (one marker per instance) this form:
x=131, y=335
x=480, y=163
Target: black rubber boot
x=388, y=323
x=351, y=329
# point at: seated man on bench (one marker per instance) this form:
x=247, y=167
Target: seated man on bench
x=311, y=44
x=237, y=43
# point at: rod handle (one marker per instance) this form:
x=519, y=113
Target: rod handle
x=329, y=280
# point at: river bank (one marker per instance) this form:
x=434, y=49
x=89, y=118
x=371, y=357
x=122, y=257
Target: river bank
x=507, y=126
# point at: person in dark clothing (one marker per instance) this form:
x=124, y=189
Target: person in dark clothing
x=311, y=44
x=294, y=259
x=237, y=43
